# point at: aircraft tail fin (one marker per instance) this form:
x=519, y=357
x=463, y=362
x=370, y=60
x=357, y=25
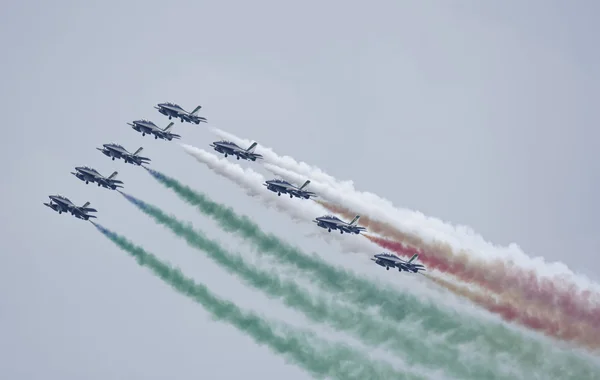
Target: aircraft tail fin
x=138, y=151
x=85, y=204
x=195, y=111
x=414, y=257
x=305, y=184
x=252, y=147
x=355, y=220
x=168, y=127
x=113, y=176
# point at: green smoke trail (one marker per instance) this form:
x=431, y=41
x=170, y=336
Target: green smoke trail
x=400, y=307
x=332, y=360
x=372, y=331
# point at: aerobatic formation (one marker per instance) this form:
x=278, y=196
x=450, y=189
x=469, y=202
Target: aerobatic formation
x=558, y=307
x=277, y=185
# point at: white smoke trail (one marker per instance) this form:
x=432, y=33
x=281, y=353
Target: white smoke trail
x=460, y=238
x=288, y=162
x=345, y=189
x=252, y=182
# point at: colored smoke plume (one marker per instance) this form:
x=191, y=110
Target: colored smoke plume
x=498, y=276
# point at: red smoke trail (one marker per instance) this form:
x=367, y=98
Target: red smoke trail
x=574, y=326
x=498, y=276
x=533, y=318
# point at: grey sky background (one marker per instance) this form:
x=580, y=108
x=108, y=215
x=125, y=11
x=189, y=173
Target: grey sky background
x=483, y=115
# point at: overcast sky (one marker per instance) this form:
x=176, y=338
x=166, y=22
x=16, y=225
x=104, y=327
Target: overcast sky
x=482, y=115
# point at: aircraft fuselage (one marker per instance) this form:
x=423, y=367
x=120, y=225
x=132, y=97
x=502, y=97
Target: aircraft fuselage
x=234, y=150
x=174, y=111
x=388, y=263
x=280, y=188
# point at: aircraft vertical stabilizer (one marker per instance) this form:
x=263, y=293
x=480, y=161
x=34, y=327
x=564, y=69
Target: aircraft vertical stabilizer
x=168, y=127
x=251, y=148
x=305, y=184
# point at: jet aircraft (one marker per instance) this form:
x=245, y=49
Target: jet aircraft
x=174, y=110
x=280, y=186
x=62, y=204
x=88, y=175
x=146, y=126
x=334, y=223
x=117, y=151
x=388, y=261
x=228, y=147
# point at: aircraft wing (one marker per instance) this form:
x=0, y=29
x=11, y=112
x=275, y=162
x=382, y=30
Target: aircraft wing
x=349, y=227
x=301, y=193
x=138, y=158
x=411, y=267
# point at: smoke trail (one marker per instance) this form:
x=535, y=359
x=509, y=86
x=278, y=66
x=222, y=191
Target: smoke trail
x=289, y=168
x=527, y=312
x=407, y=344
x=331, y=360
x=494, y=274
x=252, y=182
x=457, y=237
x=523, y=314
x=270, y=156
x=559, y=279
x=510, y=311
x=457, y=329
x=498, y=276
